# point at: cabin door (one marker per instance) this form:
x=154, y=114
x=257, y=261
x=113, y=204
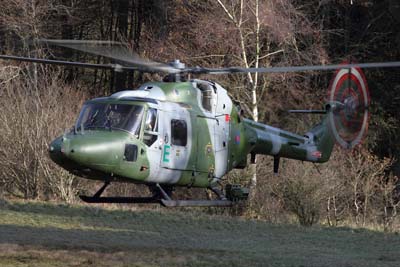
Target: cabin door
x=177, y=132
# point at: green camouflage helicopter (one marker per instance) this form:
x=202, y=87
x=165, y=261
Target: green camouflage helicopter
x=190, y=133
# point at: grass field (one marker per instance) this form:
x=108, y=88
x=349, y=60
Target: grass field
x=45, y=234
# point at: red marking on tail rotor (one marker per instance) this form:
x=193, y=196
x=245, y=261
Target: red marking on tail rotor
x=349, y=92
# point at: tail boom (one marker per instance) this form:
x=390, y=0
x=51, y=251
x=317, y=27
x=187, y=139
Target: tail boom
x=314, y=146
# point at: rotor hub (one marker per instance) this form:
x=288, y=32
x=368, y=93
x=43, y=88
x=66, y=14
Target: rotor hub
x=350, y=106
x=177, y=64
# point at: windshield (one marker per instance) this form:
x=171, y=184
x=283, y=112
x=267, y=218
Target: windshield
x=111, y=116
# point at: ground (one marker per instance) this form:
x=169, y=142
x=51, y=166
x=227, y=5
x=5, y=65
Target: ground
x=49, y=234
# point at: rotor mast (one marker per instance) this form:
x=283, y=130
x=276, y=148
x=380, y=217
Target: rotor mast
x=175, y=76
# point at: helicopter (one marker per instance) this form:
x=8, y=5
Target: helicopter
x=190, y=133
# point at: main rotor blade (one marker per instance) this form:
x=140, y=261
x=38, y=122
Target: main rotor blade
x=114, y=50
x=201, y=70
x=114, y=67
x=79, y=42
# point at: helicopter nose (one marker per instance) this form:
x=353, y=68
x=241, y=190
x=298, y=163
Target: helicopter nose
x=101, y=151
x=55, y=150
x=89, y=153
x=57, y=155
x=98, y=153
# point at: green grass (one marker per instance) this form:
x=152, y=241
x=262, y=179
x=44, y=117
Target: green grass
x=48, y=234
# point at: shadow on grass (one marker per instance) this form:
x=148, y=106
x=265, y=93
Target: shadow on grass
x=149, y=247
x=92, y=240
x=127, y=239
x=168, y=243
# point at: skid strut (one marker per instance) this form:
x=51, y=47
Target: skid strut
x=221, y=202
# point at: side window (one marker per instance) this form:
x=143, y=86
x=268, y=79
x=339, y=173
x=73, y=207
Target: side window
x=150, y=127
x=178, y=132
x=130, y=152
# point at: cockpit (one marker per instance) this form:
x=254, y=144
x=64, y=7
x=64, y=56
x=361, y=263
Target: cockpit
x=119, y=116
x=110, y=116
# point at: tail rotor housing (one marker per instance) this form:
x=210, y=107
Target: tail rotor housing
x=349, y=102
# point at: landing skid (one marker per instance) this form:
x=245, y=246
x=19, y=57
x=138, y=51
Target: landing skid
x=196, y=203
x=140, y=200
x=160, y=196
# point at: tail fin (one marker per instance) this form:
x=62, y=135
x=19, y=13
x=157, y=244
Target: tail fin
x=321, y=135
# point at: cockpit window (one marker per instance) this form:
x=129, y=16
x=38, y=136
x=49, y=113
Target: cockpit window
x=150, y=127
x=151, y=120
x=110, y=116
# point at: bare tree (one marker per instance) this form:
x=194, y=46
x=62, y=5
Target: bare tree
x=266, y=31
x=31, y=118
x=239, y=15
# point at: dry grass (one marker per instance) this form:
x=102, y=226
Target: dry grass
x=45, y=234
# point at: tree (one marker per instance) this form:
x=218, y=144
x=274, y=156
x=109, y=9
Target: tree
x=246, y=19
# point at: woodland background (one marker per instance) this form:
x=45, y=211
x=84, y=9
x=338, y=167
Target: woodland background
x=40, y=102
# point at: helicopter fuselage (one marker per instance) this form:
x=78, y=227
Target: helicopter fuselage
x=183, y=136
x=183, y=133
